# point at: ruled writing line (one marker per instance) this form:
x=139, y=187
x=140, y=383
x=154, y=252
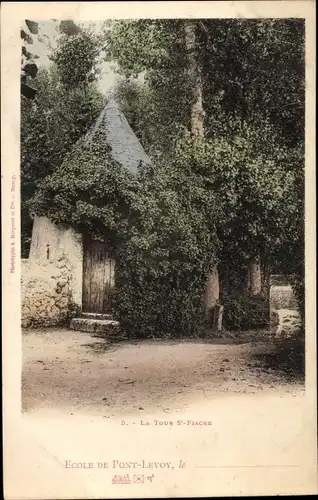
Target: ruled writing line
x=243, y=466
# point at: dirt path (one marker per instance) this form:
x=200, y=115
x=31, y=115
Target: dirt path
x=76, y=373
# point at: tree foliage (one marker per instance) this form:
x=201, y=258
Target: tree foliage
x=50, y=125
x=76, y=57
x=255, y=70
x=31, y=32
x=253, y=93
x=154, y=49
x=29, y=67
x=250, y=68
x=235, y=194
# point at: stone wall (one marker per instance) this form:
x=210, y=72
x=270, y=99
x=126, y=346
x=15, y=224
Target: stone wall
x=46, y=292
x=286, y=323
x=52, y=242
x=282, y=297
x=284, y=314
x=51, y=279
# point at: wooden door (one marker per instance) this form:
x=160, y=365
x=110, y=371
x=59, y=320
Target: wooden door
x=98, y=277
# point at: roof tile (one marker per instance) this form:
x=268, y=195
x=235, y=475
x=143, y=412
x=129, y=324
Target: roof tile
x=125, y=146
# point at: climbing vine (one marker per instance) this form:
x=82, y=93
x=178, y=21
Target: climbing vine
x=90, y=191
x=161, y=222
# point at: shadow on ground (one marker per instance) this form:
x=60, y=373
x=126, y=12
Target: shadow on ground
x=103, y=344
x=287, y=359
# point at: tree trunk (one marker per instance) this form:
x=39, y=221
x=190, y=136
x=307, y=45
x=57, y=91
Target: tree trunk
x=212, y=290
x=194, y=73
x=212, y=296
x=254, y=276
x=265, y=288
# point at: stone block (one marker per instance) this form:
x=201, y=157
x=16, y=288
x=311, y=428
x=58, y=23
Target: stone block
x=286, y=322
x=107, y=327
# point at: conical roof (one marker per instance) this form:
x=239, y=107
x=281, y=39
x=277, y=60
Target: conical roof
x=112, y=127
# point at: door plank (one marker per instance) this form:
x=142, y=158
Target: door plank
x=97, y=276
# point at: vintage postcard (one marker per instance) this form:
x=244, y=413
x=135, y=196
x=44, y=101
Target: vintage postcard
x=158, y=209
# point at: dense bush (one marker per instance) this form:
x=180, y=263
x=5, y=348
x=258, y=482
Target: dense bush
x=155, y=302
x=246, y=312
x=162, y=265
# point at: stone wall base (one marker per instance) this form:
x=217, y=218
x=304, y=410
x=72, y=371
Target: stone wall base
x=47, y=298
